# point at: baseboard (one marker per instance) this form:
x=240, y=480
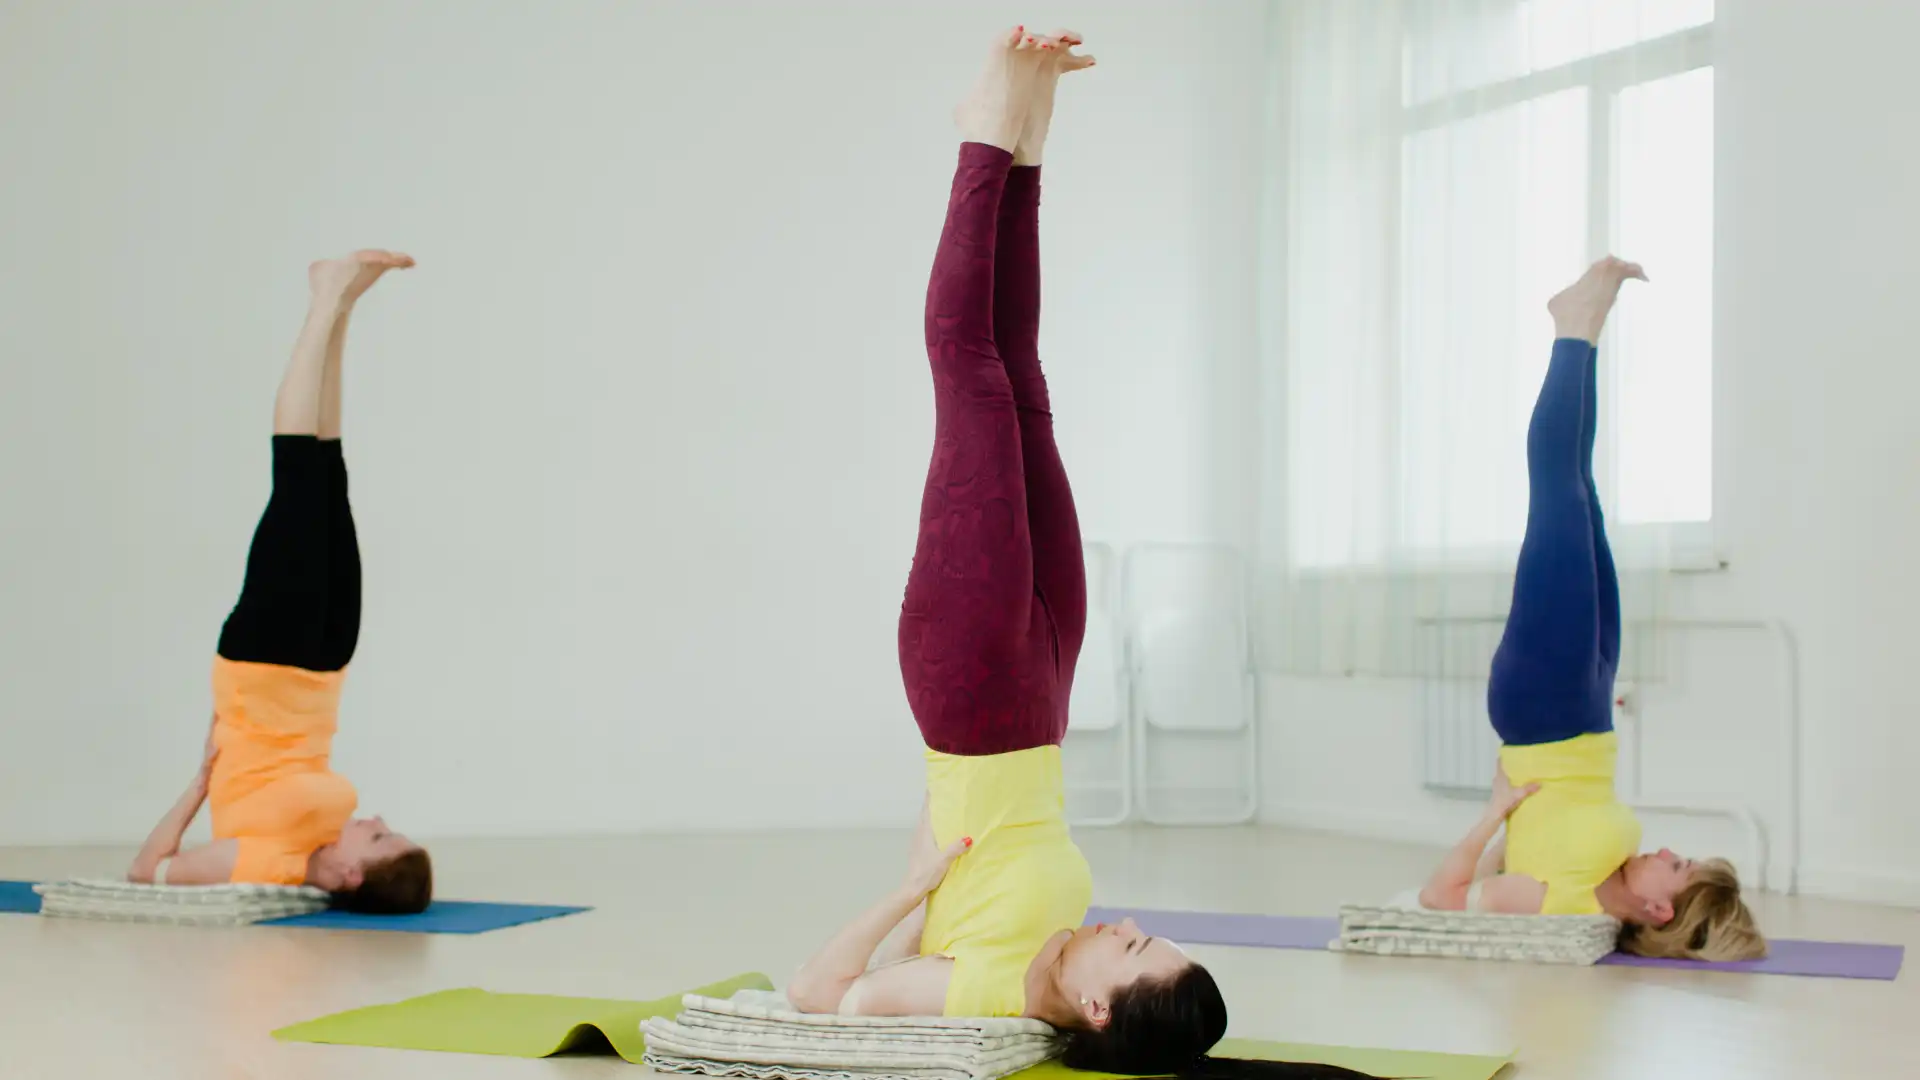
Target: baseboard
x=1873, y=887
x=1439, y=828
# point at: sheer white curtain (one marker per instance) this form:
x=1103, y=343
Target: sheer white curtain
x=1445, y=166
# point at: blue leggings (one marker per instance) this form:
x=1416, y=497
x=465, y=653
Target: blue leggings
x=1553, y=673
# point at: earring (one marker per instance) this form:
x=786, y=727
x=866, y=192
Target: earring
x=1083, y=1001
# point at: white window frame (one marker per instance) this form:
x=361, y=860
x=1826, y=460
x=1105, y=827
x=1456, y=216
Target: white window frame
x=1677, y=546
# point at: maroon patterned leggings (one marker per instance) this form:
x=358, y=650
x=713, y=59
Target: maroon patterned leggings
x=996, y=604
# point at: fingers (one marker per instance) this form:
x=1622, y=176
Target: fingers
x=958, y=848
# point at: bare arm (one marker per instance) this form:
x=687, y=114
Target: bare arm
x=1447, y=889
x=904, y=942
x=824, y=981
x=1494, y=861
x=209, y=865
x=164, y=841
x=915, y=988
x=822, y=984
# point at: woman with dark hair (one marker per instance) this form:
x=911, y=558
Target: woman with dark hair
x=281, y=815
x=989, y=919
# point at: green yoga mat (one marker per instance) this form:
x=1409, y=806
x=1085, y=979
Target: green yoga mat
x=511, y=1025
x=538, y=1025
x=1410, y=1064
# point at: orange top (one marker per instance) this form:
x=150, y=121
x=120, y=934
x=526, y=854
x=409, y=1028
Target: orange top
x=271, y=788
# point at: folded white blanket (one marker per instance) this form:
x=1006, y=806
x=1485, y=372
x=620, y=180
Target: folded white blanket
x=1545, y=939
x=176, y=905
x=756, y=1034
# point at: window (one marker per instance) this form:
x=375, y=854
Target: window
x=1531, y=134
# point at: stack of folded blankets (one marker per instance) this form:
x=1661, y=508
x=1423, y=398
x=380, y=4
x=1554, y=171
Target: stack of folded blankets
x=1392, y=930
x=757, y=1034
x=176, y=905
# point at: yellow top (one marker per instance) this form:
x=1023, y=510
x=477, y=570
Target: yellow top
x=1022, y=882
x=1572, y=834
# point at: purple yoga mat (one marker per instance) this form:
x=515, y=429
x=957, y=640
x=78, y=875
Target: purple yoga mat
x=1208, y=928
x=1786, y=956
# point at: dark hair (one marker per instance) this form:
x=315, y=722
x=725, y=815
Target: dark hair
x=1164, y=1028
x=402, y=885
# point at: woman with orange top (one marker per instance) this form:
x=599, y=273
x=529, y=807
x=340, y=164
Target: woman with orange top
x=281, y=815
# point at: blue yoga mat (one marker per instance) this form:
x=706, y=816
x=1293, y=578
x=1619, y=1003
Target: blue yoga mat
x=19, y=898
x=441, y=917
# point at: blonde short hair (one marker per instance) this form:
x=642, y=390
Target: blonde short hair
x=1710, y=922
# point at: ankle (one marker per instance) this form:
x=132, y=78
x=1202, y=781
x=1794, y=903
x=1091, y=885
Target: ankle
x=1587, y=330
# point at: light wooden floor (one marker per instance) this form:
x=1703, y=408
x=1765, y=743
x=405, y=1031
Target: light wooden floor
x=89, y=1000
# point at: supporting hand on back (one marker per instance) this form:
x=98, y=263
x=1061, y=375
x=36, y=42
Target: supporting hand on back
x=1506, y=797
x=928, y=866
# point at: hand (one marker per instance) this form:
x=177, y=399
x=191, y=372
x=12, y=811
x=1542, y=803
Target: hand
x=1506, y=797
x=928, y=865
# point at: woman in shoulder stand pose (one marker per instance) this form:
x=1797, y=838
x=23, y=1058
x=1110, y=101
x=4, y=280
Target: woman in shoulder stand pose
x=989, y=919
x=281, y=815
x=1572, y=848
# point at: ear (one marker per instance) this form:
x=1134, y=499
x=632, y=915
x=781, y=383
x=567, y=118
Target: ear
x=1096, y=1012
x=1660, y=912
x=352, y=876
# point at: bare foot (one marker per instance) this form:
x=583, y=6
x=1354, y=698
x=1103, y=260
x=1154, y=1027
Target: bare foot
x=996, y=111
x=1060, y=59
x=1580, y=310
x=342, y=281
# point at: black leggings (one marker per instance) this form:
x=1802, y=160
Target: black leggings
x=300, y=603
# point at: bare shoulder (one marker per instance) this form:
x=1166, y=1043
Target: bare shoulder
x=916, y=987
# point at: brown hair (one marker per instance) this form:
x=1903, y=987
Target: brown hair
x=1710, y=922
x=402, y=885
x=1161, y=1029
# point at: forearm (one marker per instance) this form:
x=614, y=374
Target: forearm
x=824, y=980
x=164, y=841
x=1447, y=888
x=1493, y=862
x=904, y=941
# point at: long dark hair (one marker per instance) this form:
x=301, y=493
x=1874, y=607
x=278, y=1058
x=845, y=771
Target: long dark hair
x=1164, y=1028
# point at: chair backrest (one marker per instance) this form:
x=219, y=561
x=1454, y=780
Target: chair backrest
x=1190, y=670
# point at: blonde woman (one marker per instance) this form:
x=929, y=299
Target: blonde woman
x=1571, y=847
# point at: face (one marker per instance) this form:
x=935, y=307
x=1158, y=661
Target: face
x=366, y=841
x=1656, y=879
x=1099, y=960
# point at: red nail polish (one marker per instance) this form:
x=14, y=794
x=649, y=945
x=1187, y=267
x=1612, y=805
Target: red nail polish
x=967, y=841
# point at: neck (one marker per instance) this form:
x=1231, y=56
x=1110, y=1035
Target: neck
x=321, y=872
x=1045, y=1000
x=1617, y=900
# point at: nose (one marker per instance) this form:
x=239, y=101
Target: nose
x=1666, y=853
x=1129, y=928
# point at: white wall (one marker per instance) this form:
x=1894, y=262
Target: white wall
x=637, y=448
x=1818, y=465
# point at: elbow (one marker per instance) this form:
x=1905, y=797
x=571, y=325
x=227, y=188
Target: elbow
x=808, y=995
